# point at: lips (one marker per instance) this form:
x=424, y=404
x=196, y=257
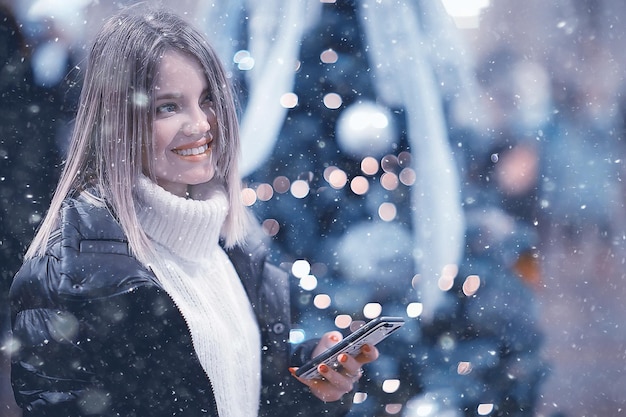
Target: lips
x=192, y=150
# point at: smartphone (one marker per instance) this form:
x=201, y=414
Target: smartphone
x=369, y=334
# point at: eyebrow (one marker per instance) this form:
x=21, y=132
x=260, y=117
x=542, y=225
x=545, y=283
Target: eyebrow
x=169, y=96
x=176, y=95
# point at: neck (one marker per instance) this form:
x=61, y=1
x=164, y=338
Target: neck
x=188, y=228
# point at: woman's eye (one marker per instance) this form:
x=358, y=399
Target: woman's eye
x=166, y=108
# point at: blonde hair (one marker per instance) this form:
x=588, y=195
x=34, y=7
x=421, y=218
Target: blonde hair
x=113, y=128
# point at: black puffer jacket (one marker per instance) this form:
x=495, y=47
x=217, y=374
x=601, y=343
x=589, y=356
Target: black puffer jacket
x=97, y=335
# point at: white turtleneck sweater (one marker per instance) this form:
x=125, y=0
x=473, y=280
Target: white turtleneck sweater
x=198, y=275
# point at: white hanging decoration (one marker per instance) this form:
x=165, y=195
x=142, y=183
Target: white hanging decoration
x=404, y=76
x=276, y=31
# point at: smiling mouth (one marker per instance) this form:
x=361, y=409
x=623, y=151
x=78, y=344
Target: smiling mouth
x=192, y=151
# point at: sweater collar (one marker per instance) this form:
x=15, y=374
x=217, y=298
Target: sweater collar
x=188, y=228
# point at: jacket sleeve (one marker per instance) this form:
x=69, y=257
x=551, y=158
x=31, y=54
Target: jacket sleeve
x=125, y=354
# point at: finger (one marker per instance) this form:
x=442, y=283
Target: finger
x=328, y=340
x=367, y=354
x=323, y=388
x=340, y=382
x=306, y=382
x=350, y=366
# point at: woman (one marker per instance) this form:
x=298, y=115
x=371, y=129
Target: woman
x=127, y=303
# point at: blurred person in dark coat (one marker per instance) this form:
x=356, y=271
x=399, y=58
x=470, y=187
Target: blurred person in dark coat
x=27, y=173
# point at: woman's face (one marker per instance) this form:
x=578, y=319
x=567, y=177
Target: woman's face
x=185, y=124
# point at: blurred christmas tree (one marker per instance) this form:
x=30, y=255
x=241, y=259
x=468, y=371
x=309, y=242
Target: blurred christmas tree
x=336, y=196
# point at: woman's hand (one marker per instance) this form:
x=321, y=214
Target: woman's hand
x=334, y=384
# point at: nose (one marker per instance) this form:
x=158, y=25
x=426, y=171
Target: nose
x=198, y=122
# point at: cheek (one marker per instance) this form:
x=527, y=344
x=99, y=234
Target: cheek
x=159, y=162
x=158, y=146
x=212, y=118
x=162, y=137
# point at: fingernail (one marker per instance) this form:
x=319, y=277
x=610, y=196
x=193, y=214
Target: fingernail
x=334, y=338
x=366, y=348
x=343, y=358
x=292, y=371
x=323, y=368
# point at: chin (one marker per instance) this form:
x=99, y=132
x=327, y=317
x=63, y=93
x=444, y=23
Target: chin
x=212, y=180
x=197, y=177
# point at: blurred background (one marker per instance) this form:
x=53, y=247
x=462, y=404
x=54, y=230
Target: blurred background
x=457, y=163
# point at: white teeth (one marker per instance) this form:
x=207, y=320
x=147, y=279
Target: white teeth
x=192, y=151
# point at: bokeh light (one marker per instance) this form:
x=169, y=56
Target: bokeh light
x=281, y=184
x=390, y=163
x=322, y=301
x=404, y=159
x=389, y=181
x=248, y=196
x=359, y=397
x=244, y=60
x=471, y=285
x=356, y=324
x=448, y=274
x=264, y=192
x=369, y=165
x=484, y=409
x=337, y=179
x=301, y=268
x=393, y=408
x=333, y=101
x=308, y=283
x=289, y=100
x=329, y=170
x=387, y=211
x=391, y=385
x=365, y=128
x=343, y=321
x=329, y=56
x=464, y=368
x=271, y=227
x=297, y=336
x=415, y=281
x=407, y=176
x=359, y=185
x=300, y=189
x=372, y=310
x=414, y=310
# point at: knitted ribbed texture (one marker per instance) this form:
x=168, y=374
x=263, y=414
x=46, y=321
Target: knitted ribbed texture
x=203, y=283
x=190, y=228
